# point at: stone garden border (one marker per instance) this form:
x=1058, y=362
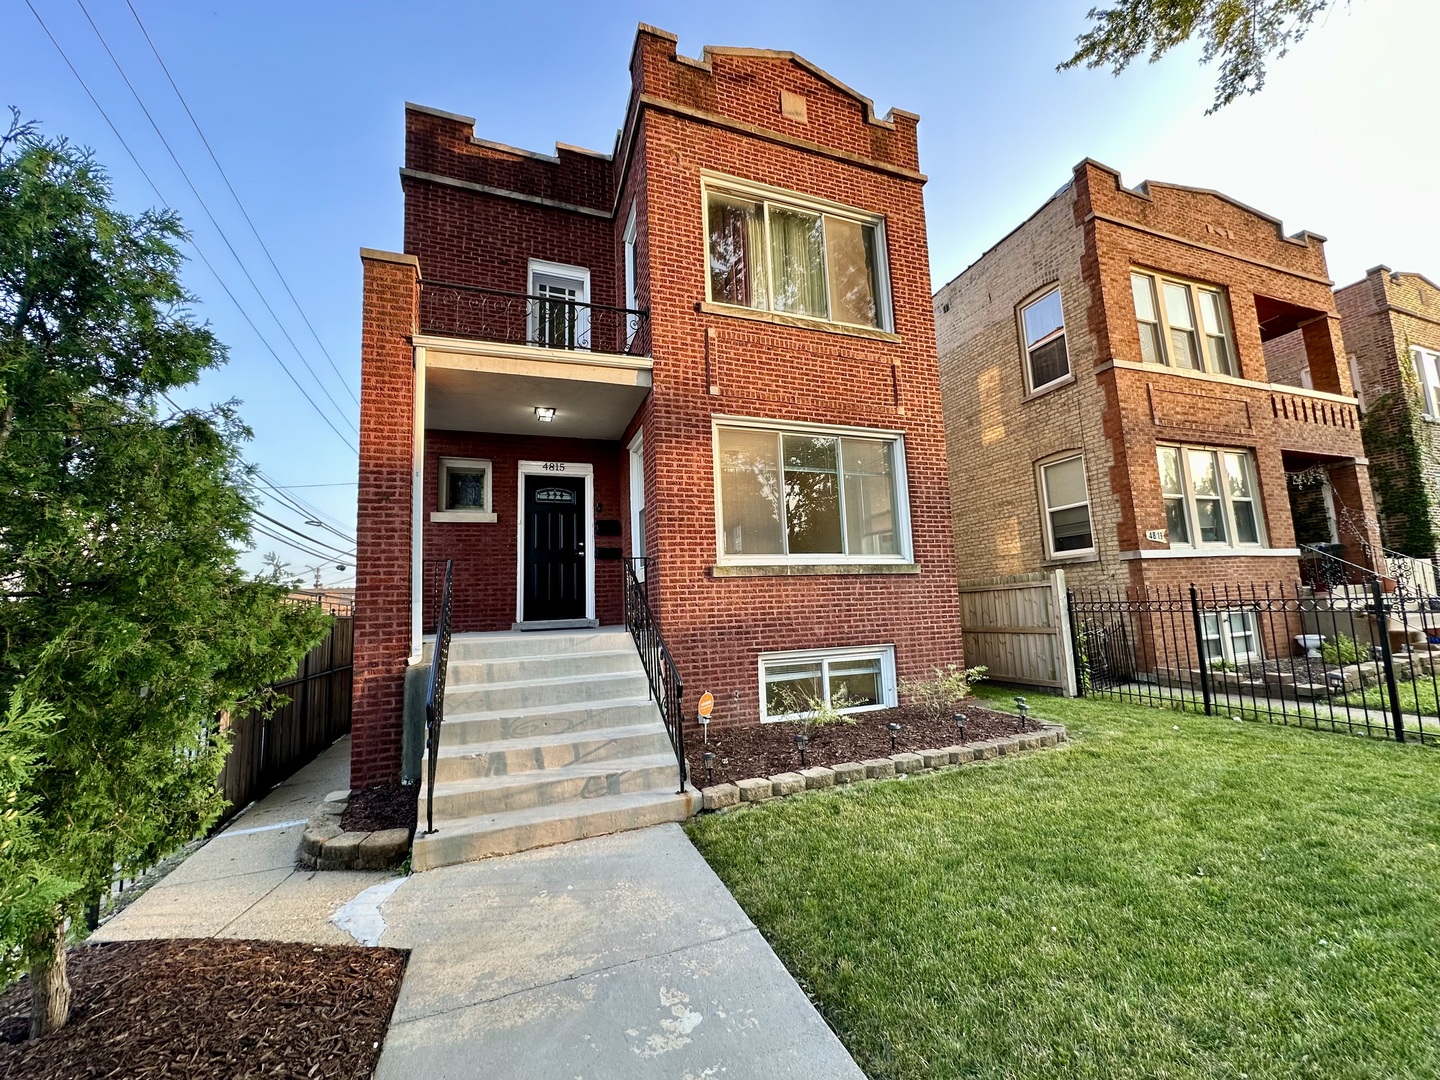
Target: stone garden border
x=762, y=788
x=324, y=845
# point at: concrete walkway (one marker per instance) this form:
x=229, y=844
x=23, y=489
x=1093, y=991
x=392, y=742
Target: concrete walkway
x=616, y=957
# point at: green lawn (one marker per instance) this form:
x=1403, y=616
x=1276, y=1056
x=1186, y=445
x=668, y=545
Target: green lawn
x=1170, y=896
x=1416, y=696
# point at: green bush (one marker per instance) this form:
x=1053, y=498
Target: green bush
x=1343, y=649
x=938, y=696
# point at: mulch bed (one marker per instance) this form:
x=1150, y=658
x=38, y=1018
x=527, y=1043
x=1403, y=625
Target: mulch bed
x=381, y=806
x=767, y=749
x=207, y=1008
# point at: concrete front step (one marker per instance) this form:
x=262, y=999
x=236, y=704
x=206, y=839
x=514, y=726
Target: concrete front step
x=507, y=644
x=461, y=729
x=484, y=835
x=556, y=692
x=508, y=757
x=549, y=666
x=565, y=784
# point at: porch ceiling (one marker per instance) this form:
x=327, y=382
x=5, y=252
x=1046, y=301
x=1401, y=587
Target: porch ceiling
x=479, y=388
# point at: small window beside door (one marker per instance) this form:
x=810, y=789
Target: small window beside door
x=1043, y=323
x=466, y=486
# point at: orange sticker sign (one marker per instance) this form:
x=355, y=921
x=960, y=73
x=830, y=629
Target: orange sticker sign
x=707, y=705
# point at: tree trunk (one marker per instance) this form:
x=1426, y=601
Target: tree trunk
x=49, y=982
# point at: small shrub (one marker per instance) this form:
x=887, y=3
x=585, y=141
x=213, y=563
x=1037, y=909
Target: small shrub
x=937, y=697
x=1221, y=665
x=812, y=713
x=1343, y=649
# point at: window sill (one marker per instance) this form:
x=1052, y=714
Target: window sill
x=1049, y=388
x=1212, y=553
x=1071, y=560
x=809, y=569
x=461, y=515
x=776, y=318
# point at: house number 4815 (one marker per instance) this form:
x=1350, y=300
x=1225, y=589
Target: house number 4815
x=553, y=466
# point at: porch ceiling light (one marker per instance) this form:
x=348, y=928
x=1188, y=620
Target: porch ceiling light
x=544, y=413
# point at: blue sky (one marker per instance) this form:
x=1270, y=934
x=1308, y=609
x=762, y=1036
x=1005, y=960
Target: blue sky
x=301, y=103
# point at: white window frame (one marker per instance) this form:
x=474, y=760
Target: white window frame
x=1028, y=350
x=539, y=267
x=1227, y=508
x=1226, y=635
x=904, y=553
x=632, y=273
x=1158, y=281
x=884, y=653
x=1046, y=509
x=637, y=500
x=1426, y=363
x=1355, y=383
x=790, y=200
x=443, y=512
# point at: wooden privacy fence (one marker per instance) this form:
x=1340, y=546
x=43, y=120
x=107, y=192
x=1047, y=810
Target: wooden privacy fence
x=1018, y=628
x=265, y=751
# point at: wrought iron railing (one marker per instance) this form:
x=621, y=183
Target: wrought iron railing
x=435, y=697
x=1321, y=568
x=454, y=310
x=666, y=689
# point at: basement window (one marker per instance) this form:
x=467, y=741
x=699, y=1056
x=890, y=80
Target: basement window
x=860, y=680
x=465, y=490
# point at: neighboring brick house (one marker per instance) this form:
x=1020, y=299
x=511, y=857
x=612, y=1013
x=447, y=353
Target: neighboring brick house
x=712, y=349
x=1108, y=401
x=1391, y=323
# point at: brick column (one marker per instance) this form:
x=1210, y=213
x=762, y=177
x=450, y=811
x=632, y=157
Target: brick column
x=390, y=313
x=1325, y=353
x=1350, y=484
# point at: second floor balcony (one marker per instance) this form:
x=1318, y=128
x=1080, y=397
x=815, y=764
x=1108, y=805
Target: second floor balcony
x=547, y=321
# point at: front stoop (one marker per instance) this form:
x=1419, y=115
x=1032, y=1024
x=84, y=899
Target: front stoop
x=547, y=738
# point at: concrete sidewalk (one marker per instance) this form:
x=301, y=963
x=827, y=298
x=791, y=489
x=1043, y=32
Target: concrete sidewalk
x=615, y=957
x=243, y=882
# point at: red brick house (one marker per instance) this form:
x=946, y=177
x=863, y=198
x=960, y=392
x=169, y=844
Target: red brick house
x=708, y=355
x=1122, y=403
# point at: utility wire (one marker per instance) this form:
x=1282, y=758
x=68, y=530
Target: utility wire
x=205, y=207
x=299, y=505
x=327, y=559
x=303, y=536
x=245, y=213
x=208, y=265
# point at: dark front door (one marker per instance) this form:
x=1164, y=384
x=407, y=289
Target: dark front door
x=554, y=548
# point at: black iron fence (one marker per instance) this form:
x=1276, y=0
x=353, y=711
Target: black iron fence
x=666, y=689
x=553, y=322
x=1356, y=656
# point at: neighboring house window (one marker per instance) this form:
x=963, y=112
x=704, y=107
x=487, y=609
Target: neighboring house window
x=1067, y=507
x=559, y=315
x=1044, y=326
x=861, y=679
x=1427, y=370
x=1231, y=636
x=810, y=495
x=632, y=283
x=781, y=252
x=1209, y=496
x=465, y=490
x=1183, y=324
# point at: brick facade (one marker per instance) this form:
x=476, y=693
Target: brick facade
x=1114, y=409
x=1384, y=316
x=475, y=213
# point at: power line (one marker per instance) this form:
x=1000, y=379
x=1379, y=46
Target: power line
x=299, y=505
x=205, y=207
x=296, y=546
x=233, y=194
x=153, y=187
x=304, y=536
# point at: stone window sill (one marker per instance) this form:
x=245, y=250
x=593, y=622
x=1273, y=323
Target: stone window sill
x=811, y=569
x=778, y=319
x=462, y=515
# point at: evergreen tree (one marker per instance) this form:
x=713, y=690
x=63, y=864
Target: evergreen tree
x=126, y=626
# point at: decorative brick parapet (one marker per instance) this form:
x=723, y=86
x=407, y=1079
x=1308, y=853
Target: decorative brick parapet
x=761, y=788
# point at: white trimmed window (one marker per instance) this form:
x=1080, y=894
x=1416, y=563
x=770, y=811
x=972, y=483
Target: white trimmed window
x=1183, y=324
x=1043, y=324
x=465, y=490
x=559, y=315
x=777, y=251
x=1067, y=508
x=1427, y=370
x=788, y=681
x=1231, y=637
x=1210, y=497
x=632, y=279
x=808, y=494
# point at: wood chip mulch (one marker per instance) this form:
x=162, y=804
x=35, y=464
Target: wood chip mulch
x=193, y=1008
x=767, y=749
x=381, y=806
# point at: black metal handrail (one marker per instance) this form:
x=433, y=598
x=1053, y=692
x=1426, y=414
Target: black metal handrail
x=1323, y=569
x=451, y=309
x=435, y=697
x=666, y=688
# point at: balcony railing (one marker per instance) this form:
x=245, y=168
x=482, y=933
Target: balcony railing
x=468, y=311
